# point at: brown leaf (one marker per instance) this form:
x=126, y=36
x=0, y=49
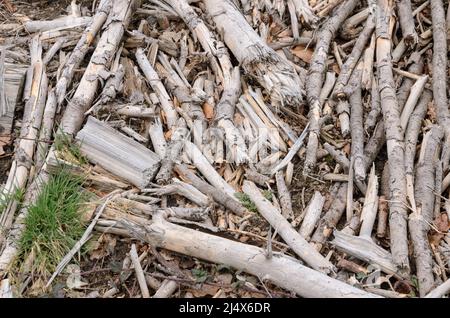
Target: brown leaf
x=103, y=247
x=305, y=54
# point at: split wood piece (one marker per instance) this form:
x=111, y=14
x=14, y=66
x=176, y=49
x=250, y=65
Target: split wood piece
x=205, y=168
x=440, y=61
x=173, y=151
x=304, y=12
x=370, y=208
x=394, y=140
x=298, y=244
x=407, y=22
x=190, y=98
x=331, y=218
x=139, y=272
x=29, y=132
x=357, y=132
x=67, y=22
x=251, y=259
x=440, y=291
x=12, y=79
x=216, y=49
x=158, y=87
x=237, y=151
x=83, y=97
x=353, y=58
x=420, y=220
x=312, y=215
x=365, y=250
x=257, y=59
x=316, y=76
x=117, y=153
x=167, y=288
x=285, y=196
x=80, y=50
x=414, y=95
x=219, y=196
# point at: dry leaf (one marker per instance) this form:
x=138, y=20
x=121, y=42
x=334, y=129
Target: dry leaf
x=103, y=247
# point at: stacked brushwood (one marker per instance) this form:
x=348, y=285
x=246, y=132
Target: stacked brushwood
x=203, y=118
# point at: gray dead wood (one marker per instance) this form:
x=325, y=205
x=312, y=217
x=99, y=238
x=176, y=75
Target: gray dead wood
x=218, y=196
x=294, y=277
x=83, y=97
x=117, y=153
x=257, y=59
x=394, y=140
x=82, y=47
x=316, y=74
x=407, y=22
x=331, y=218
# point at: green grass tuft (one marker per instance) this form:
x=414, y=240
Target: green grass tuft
x=54, y=222
x=69, y=149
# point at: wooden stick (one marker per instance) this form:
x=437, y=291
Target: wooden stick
x=156, y=84
x=312, y=215
x=139, y=272
x=394, y=140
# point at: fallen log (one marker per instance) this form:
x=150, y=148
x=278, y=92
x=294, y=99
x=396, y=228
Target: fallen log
x=117, y=153
x=294, y=276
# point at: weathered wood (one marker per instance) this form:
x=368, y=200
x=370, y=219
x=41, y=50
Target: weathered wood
x=298, y=244
x=251, y=259
x=257, y=59
x=117, y=153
